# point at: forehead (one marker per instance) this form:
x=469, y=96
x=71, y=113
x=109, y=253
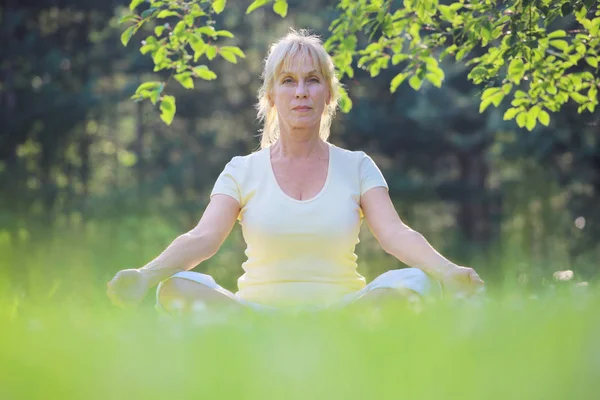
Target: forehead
x=299, y=64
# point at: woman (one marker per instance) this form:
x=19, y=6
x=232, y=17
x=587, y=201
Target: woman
x=300, y=201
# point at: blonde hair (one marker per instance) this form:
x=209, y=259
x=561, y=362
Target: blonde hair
x=295, y=43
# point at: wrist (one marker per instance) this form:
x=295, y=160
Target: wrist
x=440, y=271
x=150, y=277
x=153, y=274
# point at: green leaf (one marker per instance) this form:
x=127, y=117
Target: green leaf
x=434, y=79
x=179, y=28
x=159, y=30
x=349, y=71
x=128, y=18
x=486, y=31
x=235, y=50
x=592, y=61
x=167, y=108
x=507, y=87
x=166, y=14
x=478, y=74
x=147, y=48
x=510, y=113
x=211, y=52
x=415, y=82
x=447, y=13
x=531, y=122
x=560, y=44
x=516, y=69
x=491, y=96
x=345, y=101
x=484, y=104
x=519, y=94
x=189, y=20
x=203, y=72
x=559, y=33
x=160, y=55
x=148, y=86
x=497, y=98
x=148, y=12
x=155, y=94
x=489, y=92
x=224, y=33
x=219, y=6
x=397, y=81
x=544, y=118
x=256, y=4
x=134, y=3
x=198, y=45
x=228, y=55
x=533, y=113
x=196, y=12
x=522, y=119
x=462, y=52
x=206, y=30
x=127, y=34
x=185, y=80
x=281, y=7
x=396, y=58
x=578, y=97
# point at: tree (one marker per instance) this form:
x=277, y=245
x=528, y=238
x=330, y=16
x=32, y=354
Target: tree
x=518, y=52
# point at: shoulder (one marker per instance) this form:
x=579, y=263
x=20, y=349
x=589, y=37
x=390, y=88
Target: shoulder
x=245, y=168
x=246, y=161
x=356, y=157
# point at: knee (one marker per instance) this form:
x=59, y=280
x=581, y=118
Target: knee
x=197, y=292
x=182, y=290
x=413, y=279
x=407, y=273
x=173, y=294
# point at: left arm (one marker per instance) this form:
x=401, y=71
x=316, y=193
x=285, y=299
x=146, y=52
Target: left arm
x=406, y=244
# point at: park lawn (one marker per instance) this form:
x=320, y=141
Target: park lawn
x=505, y=346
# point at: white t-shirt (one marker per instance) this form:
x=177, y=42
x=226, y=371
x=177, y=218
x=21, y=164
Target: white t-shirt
x=299, y=252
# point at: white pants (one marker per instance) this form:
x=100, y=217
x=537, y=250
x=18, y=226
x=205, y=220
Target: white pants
x=407, y=278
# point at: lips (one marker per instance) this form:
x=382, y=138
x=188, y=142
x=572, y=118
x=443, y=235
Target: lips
x=302, y=108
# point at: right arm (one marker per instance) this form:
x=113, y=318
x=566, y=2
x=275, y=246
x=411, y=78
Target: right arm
x=129, y=286
x=197, y=245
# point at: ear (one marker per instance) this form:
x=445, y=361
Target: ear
x=270, y=99
x=328, y=97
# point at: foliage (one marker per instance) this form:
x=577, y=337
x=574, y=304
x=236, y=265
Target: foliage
x=516, y=52
x=519, y=55
x=183, y=32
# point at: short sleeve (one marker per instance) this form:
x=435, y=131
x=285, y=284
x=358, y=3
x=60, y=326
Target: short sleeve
x=229, y=180
x=370, y=175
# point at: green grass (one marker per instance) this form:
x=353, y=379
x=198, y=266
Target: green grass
x=61, y=339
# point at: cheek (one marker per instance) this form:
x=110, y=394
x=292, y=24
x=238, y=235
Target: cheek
x=320, y=94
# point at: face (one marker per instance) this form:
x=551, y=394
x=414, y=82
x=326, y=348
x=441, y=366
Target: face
x=300, y=94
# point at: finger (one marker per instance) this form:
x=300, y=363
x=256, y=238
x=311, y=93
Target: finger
x=475, y=278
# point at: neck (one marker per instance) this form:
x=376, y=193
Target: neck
x=298, y=143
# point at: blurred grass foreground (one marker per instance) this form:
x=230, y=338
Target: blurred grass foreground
x=62, y=340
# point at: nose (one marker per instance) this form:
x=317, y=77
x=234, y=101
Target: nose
x=301, y=90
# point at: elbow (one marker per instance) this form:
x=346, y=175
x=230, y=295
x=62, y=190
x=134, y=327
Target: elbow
x=204, y=245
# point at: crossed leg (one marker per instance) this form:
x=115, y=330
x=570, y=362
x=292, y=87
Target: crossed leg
x=180, y=295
